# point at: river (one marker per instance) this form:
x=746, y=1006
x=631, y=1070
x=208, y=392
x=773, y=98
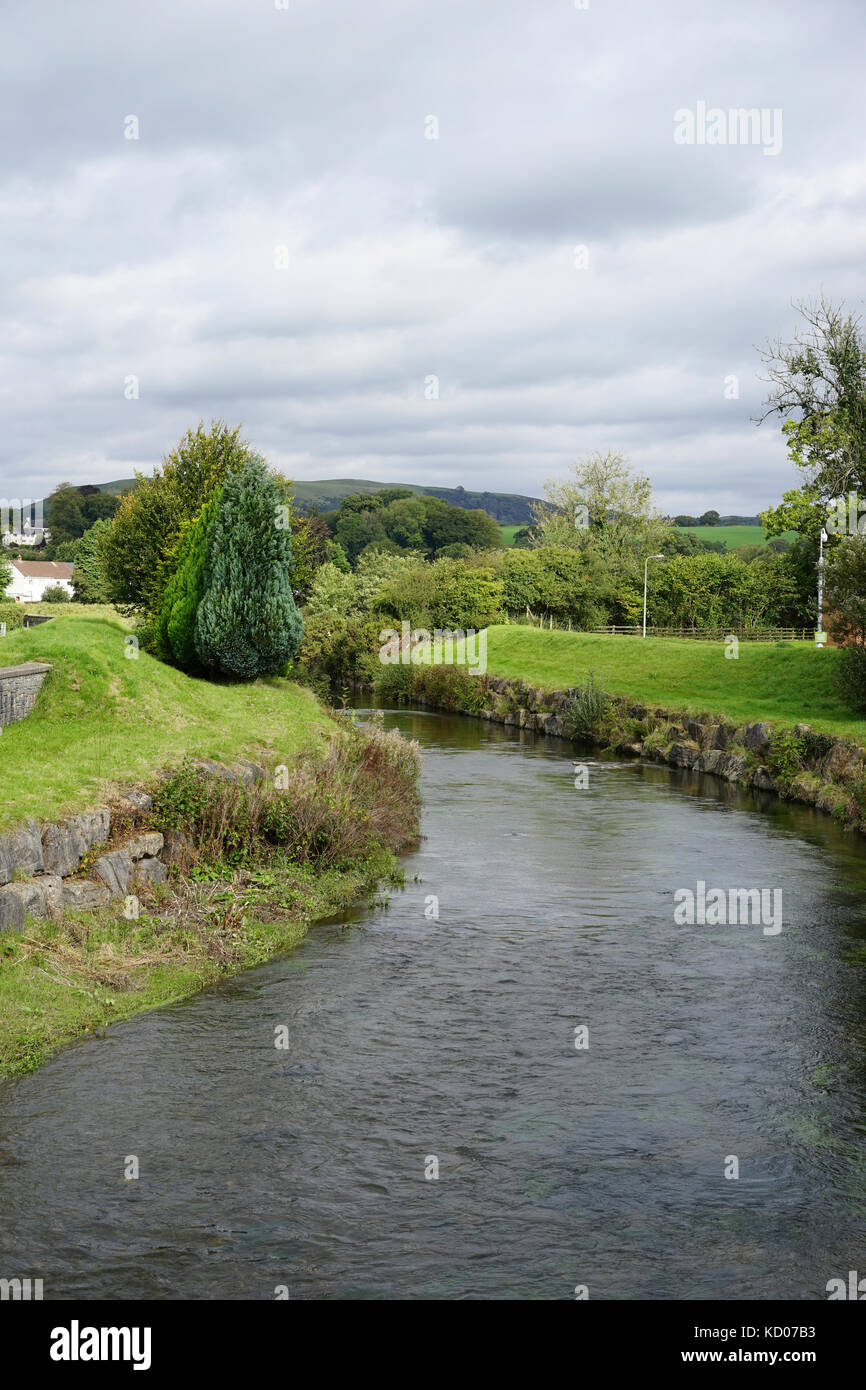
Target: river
x=416, y=1042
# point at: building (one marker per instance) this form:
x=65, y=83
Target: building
x=30, y=579
x=30, y=535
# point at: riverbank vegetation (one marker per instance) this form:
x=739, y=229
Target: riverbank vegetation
x=253, y=867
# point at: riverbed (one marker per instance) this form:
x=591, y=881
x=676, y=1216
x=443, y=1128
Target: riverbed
x=521, y=1078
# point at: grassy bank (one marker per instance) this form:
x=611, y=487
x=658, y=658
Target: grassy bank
x=787, y=683
x=103, y=718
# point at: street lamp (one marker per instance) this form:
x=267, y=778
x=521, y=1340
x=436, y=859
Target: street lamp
x=645, y=565
x=819, y=635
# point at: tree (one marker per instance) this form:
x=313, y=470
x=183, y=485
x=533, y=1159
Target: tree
x=141, y=550
x=89, y=584
x=551, y=582
x=845, y=589
x=818, y=388
x=710, y=518
x=247, y=623
x=445, y=594
x=605, y=510
x=5, y=575
x=333, y=591
x=174, y=636
x=65, y=514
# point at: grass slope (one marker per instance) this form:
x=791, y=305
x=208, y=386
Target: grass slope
x=103, y=718
x=785, y=683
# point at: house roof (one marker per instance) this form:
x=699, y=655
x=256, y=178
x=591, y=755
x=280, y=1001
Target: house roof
x=43, y=569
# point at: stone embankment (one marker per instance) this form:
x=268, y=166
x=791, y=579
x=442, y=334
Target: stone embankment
x=84, y=862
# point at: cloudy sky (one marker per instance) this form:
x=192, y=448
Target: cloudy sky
x=284, y=244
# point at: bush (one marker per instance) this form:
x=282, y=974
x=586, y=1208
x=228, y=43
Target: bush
x=12, y=614
x=785, y=755
x=851, y=676
x=336, y=809
x=452, y=688
x=587, y=709
x=395, y=683
x=55, y=593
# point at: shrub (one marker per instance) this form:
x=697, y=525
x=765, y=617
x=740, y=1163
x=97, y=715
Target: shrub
x=784, y=756
x=587, y=709
x=851, y=676
x=395, y=683
x=55, y=593
x=360, y=797
x=815, y=745
x=453, y=688
x=12, y=614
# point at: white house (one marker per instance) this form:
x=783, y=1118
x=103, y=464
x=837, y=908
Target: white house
x=30, y=579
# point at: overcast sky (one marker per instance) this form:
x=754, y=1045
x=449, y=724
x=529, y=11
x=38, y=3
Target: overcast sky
x=406, y=258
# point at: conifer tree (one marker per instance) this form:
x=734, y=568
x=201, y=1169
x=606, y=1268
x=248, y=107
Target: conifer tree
x=247, y=623
x=175, y=626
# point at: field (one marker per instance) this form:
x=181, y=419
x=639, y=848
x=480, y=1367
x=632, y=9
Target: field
x=784, y=683
x=104, y=718
x=509, y=532
x=732, y=536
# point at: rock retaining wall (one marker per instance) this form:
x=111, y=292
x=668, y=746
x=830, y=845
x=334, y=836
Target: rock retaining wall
x=86, y=861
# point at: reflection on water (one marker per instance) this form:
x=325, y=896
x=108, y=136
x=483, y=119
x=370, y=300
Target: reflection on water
x=413, y=1038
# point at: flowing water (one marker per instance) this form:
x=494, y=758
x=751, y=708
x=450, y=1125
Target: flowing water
x=415, y=1041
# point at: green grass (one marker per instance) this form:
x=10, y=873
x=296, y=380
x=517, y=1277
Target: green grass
x=102, y=718
x=786, y=684
x=509, y=532
x=732, y=536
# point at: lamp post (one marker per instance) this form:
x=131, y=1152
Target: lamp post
x=819, y=635
x=645, y=566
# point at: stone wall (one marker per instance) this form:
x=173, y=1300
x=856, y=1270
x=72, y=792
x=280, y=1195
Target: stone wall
x=19, y=687
x=86, y=861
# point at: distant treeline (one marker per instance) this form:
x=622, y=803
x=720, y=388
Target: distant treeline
x=713, y=519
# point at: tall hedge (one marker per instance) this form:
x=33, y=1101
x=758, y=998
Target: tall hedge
x=175, y=625
x=247, y=623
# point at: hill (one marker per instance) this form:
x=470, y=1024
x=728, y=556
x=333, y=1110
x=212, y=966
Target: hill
x=326, y=495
